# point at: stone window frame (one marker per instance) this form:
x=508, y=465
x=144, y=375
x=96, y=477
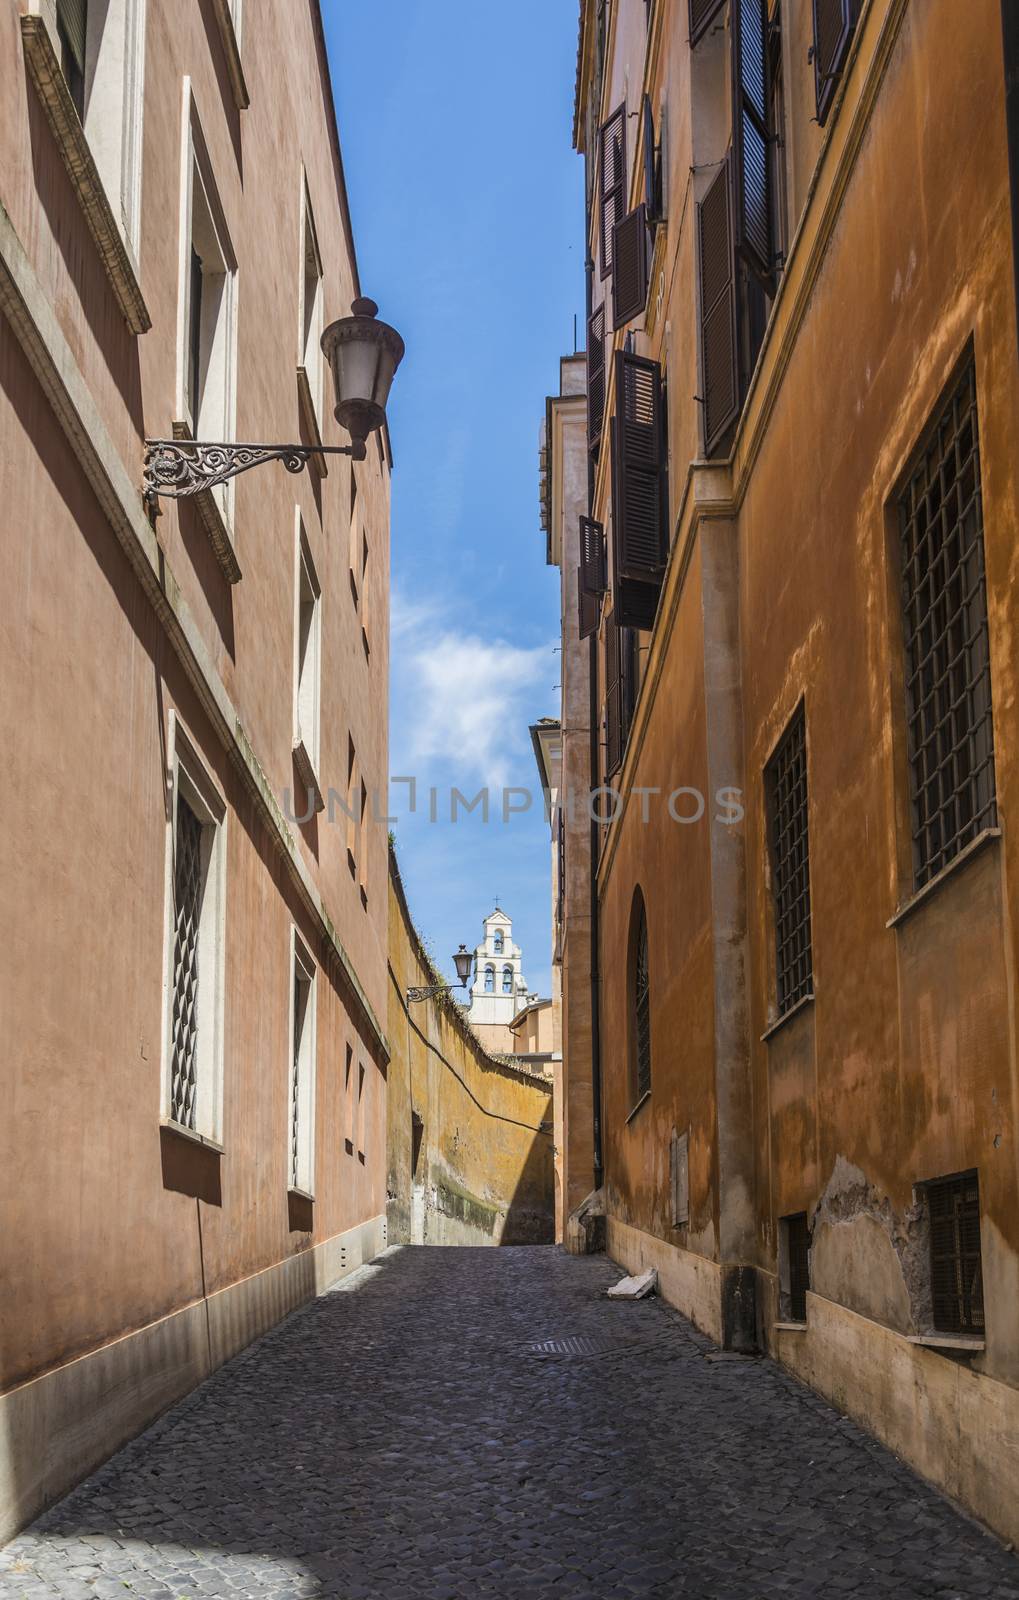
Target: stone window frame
x=307, y=675
x=302, y=1069
x=310, y=360
x=216, y=506
x=188, y=772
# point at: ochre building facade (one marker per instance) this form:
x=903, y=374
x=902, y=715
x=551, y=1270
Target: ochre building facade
x=803, y=435
x=194, y=974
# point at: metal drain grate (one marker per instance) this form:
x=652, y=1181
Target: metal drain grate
x=579, y=1346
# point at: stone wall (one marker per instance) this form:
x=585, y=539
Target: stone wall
x=469, y=1138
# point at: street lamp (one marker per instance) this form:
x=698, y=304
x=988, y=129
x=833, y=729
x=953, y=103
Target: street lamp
x=363, y=356
x=462, y=961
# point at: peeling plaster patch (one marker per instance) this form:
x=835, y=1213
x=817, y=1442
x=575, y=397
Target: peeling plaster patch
x=869, y=1257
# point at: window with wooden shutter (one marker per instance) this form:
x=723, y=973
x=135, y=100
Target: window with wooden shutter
x=613, y=702
x=750, y=136
x=588, y=608
x=595, y=378
x=702, y=15
x=640, y=1000
x=957, y=1293
x=717, y=269
x=612, y=192
x=629, y=267
x=72, y=31
x=653, y=197
x=640, y=502
x=834, y=21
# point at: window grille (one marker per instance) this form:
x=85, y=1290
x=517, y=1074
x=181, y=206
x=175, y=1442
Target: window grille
x=786, y=786
x=956, y=1280
x=642, y=1006
x=797, y=1236
x=948, y=674
x=187, y=906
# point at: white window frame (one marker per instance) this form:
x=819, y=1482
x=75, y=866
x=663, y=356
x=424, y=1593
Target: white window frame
x=307, y=662
x=310, y=319
x=304, y=1062
x=218, y=353
x=190, y=775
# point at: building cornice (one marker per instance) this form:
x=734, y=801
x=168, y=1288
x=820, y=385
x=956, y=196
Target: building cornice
x=34, y=324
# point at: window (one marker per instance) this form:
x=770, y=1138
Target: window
x=193, y=982
x=309, y=349
x=355, y=538
x=834, y=23
x=793, y=1267
x=101, y=56
x=360, y=1112
x=351, y=807
x=363, y=845
x=348, y=1101
x=640, y=491
x=640, y=1000
x=301, y=1151
x=776, y=118
x=948, y=673
x=679, y=1178
x=307, y=660
x=208, y=310
x=957, y=1293
x=489, y=980
x=507, y=980
x=612, y=166
x=72, y=29
x=497, y=941
x=785, y=779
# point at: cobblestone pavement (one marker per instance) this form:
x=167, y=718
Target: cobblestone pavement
x=397, y=1440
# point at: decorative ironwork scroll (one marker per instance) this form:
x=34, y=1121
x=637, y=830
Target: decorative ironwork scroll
x=180, y=467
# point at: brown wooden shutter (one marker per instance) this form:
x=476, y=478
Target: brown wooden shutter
x=652, y=167
x=702, y=14
x=595, y=378
x=750, y=149
x=588, y=608
x=640, y=506
x=629, y=267
x=612, y=194
x=560, y=863
x=593, y=563
x=834, y=21
x=717, y=268
x=613, y=701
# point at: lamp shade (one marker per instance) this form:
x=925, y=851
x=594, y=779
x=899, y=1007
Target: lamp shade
x=363, y=354
x=462, y=962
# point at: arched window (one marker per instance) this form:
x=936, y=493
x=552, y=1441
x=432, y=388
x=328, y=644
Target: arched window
x=498, y=941
x=507, y=980
x=640, y=1000
x=489, y=980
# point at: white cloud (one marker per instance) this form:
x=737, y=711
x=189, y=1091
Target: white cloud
x=464, y=701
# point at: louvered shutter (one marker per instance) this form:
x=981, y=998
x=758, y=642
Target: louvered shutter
x=588, y=608
x=595, y=378
x=72, y=21
x=702, y=14
x=717, y=267
x=613, y=701
x=560, y=863
x=629, y=267
x=593, y=564
x=751, y=163
x=640, y=541
x=612, y=194
x=834, y=21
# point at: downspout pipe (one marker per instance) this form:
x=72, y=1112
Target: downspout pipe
x=596, y=1094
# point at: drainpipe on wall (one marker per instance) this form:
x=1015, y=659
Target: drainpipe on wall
x=593, y=718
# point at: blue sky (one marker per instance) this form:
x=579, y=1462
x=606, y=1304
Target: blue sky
x=467, y=203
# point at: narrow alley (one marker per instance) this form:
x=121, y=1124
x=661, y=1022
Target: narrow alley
x=404, y=1426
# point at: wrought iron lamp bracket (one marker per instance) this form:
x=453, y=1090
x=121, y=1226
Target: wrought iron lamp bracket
x=181, y=467
x=427, y=991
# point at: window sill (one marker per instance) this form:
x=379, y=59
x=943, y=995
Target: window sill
x=213, y=519
x=306, y=773
x=789, y=1327
x=310, y=416
x=228, y=34
x=191, y=1135
x=975, y=846
x=300, y=1194
x=641, y=1103
x=55, y=98
x=969, y=1344
x=787, y=1016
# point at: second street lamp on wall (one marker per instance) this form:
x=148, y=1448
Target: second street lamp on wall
x=462, y=961
x=363, y=355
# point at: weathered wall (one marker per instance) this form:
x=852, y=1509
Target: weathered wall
x=469, y=1137
x=113, y=1225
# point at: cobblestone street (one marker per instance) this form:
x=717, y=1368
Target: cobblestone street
x=398, y=1439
